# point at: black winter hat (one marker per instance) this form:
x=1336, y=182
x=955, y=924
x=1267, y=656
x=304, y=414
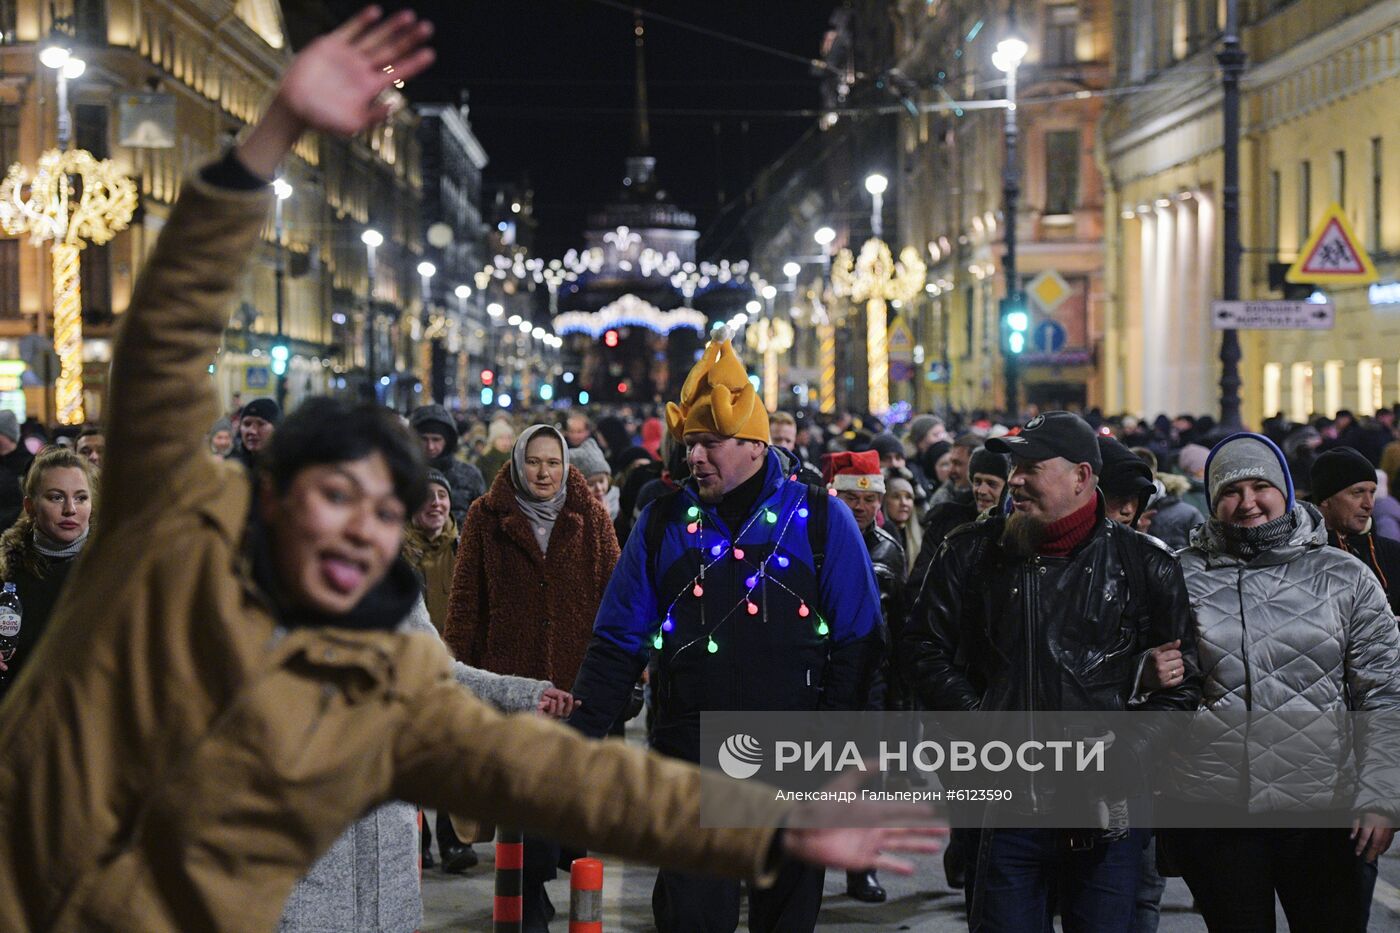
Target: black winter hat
x=989, y=462
x=886, y=445
x=1124, y=473
x=265, y=408
x=1053, y=434
x=1338, y=469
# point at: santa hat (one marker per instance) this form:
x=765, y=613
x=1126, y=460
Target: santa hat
x=855, y=471
x=718, y=398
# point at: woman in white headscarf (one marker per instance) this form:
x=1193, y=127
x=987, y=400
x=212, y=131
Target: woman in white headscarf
x=532, y=564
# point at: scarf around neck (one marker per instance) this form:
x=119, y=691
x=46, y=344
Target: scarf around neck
x=1249, y=543
x=57, y=550
x=540, y=513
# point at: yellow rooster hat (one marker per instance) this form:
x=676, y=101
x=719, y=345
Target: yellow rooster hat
x=719, y=399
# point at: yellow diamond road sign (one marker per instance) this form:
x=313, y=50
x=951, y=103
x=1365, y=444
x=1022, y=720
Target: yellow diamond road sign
x=1049, y=290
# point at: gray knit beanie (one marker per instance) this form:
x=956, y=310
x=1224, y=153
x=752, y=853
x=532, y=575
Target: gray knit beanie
x=589, y=459
x=1246, y=456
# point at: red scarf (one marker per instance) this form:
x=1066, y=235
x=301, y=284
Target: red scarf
x=1068, y=533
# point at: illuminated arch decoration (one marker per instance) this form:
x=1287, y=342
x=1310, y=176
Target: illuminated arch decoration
x=629, y=311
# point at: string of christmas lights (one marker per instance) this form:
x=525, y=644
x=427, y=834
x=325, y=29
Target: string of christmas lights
x=733, y=547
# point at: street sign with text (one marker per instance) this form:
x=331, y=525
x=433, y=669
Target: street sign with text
x=1272, y=315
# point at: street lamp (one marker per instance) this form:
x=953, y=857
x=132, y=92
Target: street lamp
x=876, y=184
x=791, y=269
x=372, y=239
x=824, y=236
x=1007, y=58
x=826, y=330
x=280, y=352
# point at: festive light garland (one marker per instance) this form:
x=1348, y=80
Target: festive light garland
x=42, y=205
x=770, y=336
x=629, y=311
x=875, y=278
x=732, y=548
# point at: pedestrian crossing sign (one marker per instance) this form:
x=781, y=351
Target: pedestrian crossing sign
x=1333, y=255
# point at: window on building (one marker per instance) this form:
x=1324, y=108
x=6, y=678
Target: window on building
x=1275, y=210
x=1061, y=171
x=1331, y=388
x=1304, y=201
x=1273, y=389
x=1377, y=189
x=90, y=128
x=1061, y=34
x=9, y=135
x=7, y=20
x=9, y=279
x=90, y=21
x=1370, y=387
x=1339, y=177
x=1302, y=391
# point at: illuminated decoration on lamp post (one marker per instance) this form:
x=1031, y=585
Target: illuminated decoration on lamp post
x=770, y=336
x=875, y=278
x=50, y=207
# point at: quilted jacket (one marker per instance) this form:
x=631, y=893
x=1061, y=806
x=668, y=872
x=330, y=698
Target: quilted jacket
x=1304, y=631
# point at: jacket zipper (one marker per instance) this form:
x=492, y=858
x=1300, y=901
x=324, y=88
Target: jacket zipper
x=1030, y=594
x=1248, y=684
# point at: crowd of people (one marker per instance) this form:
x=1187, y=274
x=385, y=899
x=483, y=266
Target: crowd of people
x=243, y=660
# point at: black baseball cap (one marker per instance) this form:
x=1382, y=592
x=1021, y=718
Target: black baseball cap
x=1053, y=434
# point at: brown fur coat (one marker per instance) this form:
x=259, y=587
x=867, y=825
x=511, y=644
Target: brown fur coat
x=515, y=611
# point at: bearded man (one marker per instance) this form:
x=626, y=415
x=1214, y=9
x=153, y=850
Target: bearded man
x=1048, y=609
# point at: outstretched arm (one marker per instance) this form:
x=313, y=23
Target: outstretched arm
x=162, y=399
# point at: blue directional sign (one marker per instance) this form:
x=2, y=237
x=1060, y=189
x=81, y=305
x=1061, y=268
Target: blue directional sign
x=1048, y=337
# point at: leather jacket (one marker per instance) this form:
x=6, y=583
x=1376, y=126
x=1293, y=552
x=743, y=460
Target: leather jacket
x=998, y=632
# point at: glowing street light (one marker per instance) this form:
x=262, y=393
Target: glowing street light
x=791, y=269
x=824, y=236
x=877, y=185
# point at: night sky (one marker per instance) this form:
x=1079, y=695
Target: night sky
x=551, y=84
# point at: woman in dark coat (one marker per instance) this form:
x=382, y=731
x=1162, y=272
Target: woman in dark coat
x=37, y=552
x=532, y=564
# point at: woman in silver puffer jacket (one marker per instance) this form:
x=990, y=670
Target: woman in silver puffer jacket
x=1284, y=625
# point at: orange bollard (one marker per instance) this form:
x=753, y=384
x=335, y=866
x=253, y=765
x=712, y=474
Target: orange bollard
x=507, y=913
x=586, y=896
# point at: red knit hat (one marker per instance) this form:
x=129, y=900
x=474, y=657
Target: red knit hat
x=856, y=471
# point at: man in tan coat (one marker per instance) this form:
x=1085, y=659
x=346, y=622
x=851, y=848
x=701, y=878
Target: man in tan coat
x=204, y=718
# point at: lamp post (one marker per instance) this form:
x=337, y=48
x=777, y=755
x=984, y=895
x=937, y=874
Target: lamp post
x=50, y=207
x=877, y=184
x=1232, y=59
x=426, y=271
x=1007, y=58
x=826, y=331
x=280, y=353
x=372, y=239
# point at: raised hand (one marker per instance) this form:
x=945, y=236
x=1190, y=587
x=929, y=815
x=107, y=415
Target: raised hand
x=337, y=84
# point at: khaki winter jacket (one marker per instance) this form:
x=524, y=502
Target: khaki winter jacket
x=168, y=764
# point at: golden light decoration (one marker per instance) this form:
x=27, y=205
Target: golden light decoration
x=875, y=278
x=770, y=336
x=42, y=205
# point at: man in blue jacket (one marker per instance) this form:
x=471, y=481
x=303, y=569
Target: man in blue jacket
x=753, y=592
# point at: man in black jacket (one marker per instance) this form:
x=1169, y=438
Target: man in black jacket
x=435, y=428
x=1344, y=490
x=1049, y=609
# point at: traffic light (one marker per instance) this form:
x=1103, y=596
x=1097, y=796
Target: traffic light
x=1015, y=322
x=487, y=377
x=610, y=338
x=280, y=355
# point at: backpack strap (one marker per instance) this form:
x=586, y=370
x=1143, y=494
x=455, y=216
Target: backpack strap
x=818, y=502
x=655, y=529
x=1130, y=553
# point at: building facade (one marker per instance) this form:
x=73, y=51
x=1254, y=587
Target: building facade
x=1322, y=78
x=207, y=67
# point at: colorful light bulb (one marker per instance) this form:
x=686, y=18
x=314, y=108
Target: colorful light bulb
x=752, y=581
x=668, y=625
x=693, y=511
x=699, y=590
x=783, y=561
x=752, y=607
x=802, y=512
x=802, y=611
x=770, y=516
x=656, y=642
x=715, y=551
x=692, y=528
x=738, y=553
x=822, y=628
x=711, y=647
